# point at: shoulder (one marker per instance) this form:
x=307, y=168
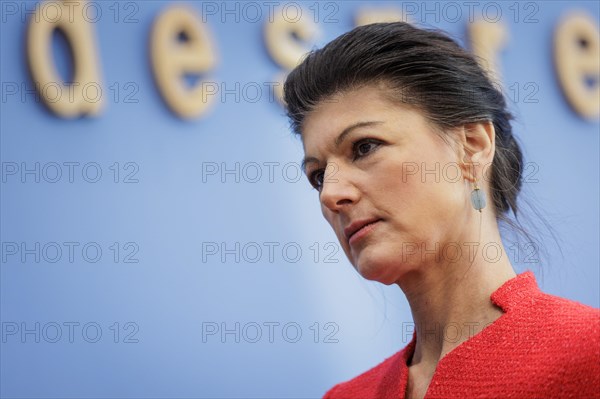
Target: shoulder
x=570, y=321
x=565, y=328
x=571, y=316
x=569, y=334
x=383, y=379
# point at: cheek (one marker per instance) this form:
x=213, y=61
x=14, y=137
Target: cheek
x=423, y=198
x=401, y=187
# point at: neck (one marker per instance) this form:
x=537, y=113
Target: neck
x=451, y=302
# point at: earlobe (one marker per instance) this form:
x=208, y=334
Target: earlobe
x=469, y=171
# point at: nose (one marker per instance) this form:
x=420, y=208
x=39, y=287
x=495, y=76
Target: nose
x=337, y=190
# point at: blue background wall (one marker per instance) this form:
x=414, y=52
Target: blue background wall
x=162, y=212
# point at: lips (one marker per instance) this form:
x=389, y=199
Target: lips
x=357, y=225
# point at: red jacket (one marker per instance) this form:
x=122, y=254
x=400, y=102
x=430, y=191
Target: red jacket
x=543, y=346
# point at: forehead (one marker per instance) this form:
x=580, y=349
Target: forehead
x=335, y=113
x=331, y=116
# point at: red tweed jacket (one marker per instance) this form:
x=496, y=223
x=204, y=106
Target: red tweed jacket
x=543, y=346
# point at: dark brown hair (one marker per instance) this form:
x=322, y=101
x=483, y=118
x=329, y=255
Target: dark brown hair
x=423, y=68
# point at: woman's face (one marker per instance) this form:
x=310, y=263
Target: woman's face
x=374, y=160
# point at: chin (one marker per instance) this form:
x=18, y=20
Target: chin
x=376, y=270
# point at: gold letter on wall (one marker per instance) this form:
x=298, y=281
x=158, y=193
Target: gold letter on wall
x=487, y=39
x=172, y=59
x=373, y=15
x=284, y=48
x=84, y=95
x=577, y=60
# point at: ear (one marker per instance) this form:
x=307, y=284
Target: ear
x=477, y=147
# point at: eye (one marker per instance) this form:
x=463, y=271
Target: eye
x=364, y=147
x=316, y=179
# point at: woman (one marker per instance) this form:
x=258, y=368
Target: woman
x=410, y=147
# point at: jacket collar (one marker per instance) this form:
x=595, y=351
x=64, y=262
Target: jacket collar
x=517, y=289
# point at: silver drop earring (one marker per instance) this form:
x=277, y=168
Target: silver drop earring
x=478, y=198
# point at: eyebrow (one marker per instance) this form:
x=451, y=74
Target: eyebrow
x=338, y=141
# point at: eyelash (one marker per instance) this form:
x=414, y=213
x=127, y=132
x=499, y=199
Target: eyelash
x=355, y=156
